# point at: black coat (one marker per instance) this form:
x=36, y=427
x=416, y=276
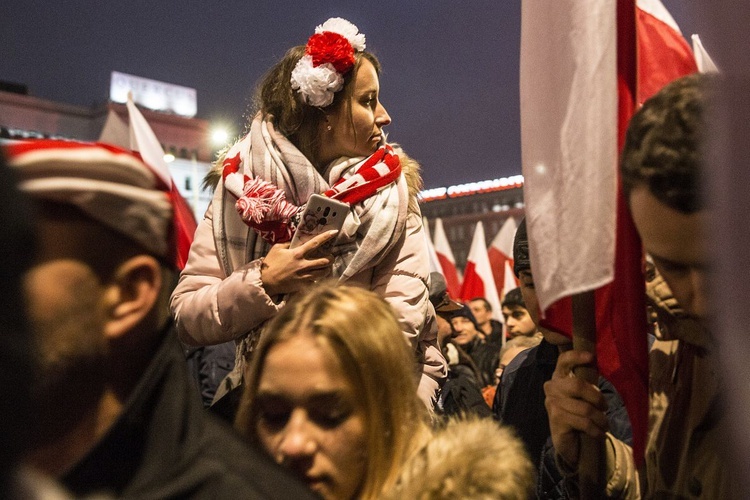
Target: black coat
x=165, y=445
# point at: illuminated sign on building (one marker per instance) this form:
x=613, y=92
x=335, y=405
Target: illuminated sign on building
x=488, y=186
x=155, y=95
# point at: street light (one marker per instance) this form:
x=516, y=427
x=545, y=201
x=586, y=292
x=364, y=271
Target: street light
x=219, y=136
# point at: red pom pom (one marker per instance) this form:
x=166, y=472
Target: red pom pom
x=330, y=47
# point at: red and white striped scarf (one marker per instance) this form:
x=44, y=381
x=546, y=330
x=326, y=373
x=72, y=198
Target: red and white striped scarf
x=264, y=207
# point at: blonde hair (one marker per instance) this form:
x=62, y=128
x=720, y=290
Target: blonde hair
x=361, y=330
x=469, y=458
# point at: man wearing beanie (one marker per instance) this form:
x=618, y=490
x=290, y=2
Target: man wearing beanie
x=467, y=335
x=460, y=394
x=115, y=412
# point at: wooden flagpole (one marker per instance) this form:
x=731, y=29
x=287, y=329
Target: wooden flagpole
x=592, y=459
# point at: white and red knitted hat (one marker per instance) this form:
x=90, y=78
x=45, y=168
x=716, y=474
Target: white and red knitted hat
x=111, y=185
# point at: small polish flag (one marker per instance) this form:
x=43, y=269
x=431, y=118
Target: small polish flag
x=478, y=279
x=447, y=261
x=500, y=253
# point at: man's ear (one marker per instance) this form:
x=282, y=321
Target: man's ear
x=132, y=294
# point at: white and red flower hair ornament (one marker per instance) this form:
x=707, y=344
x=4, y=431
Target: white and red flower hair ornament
x=329, y=55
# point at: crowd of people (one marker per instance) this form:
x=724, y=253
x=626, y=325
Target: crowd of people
x=353, y=372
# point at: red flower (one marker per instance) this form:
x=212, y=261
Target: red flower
x=330, y=47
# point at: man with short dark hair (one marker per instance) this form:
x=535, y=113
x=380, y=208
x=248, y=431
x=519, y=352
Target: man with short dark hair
x=518, y=322
x=115, y=412
x=490, y=329
x=661, y=172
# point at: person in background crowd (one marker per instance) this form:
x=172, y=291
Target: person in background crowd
x=518, y=322
x=490, y=329
x=331, y=395
x=523, y=381
x=113, y=410
x=444, y=306
x=661, y=169
x=460, y=393
x=469, y=338
x=318, y=129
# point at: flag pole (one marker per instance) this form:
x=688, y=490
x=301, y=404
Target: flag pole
x=592, y=459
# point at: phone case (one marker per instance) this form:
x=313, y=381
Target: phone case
x=321, y=214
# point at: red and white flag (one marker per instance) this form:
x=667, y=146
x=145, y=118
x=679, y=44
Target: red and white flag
x=510, y=279
x=143, y=140
x=435, y=266
x=579, y=88
x=500, y=254
x=447, y=261
x=702, y=59
x=478, y=279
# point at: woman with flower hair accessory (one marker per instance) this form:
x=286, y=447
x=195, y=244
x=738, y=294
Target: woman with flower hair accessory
x=318, y=129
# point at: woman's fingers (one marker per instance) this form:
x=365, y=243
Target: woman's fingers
x=316, y=242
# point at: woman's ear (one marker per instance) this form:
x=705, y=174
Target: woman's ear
x=132, y=294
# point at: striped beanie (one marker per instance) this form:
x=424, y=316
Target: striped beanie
x=111, y=185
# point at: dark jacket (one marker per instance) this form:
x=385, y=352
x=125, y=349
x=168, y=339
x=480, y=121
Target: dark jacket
x=485, y=356
x=208, y=365
x=522, y=407
x=165, y=445
x=461, y=394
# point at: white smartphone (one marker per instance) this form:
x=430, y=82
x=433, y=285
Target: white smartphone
x=321, y=214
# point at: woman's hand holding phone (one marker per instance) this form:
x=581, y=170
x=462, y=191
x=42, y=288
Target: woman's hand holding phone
x=286, y=270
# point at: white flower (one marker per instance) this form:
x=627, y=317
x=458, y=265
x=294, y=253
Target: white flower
x=346, y=29
x=316, y=84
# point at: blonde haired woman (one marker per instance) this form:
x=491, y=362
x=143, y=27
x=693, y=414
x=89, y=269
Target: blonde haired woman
x=330, y=393
x=319, y=129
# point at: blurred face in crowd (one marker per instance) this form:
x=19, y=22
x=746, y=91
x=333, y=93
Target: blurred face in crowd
x=480, y=311
x=465, y=330
x=309, y=417
x=675, y=242
x=66, y=311
x=358, y=133
x=532, y=306
x=518, y=321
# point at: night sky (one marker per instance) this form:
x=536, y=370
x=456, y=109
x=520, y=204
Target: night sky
x=450, y=69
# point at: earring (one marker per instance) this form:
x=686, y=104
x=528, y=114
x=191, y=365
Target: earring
x=329, y=128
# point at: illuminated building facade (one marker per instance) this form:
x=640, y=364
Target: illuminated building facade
x=185, y=139
x=460, y=207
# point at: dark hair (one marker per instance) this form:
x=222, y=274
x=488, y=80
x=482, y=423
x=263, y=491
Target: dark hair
x=297, y=120
x=514, y=298
x=484, y=301
x=521, y=261
x=662, y=145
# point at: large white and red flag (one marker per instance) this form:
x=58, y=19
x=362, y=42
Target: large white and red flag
x=581, y=77
x=478, y=279
x=500, y=253
x=447, y=261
